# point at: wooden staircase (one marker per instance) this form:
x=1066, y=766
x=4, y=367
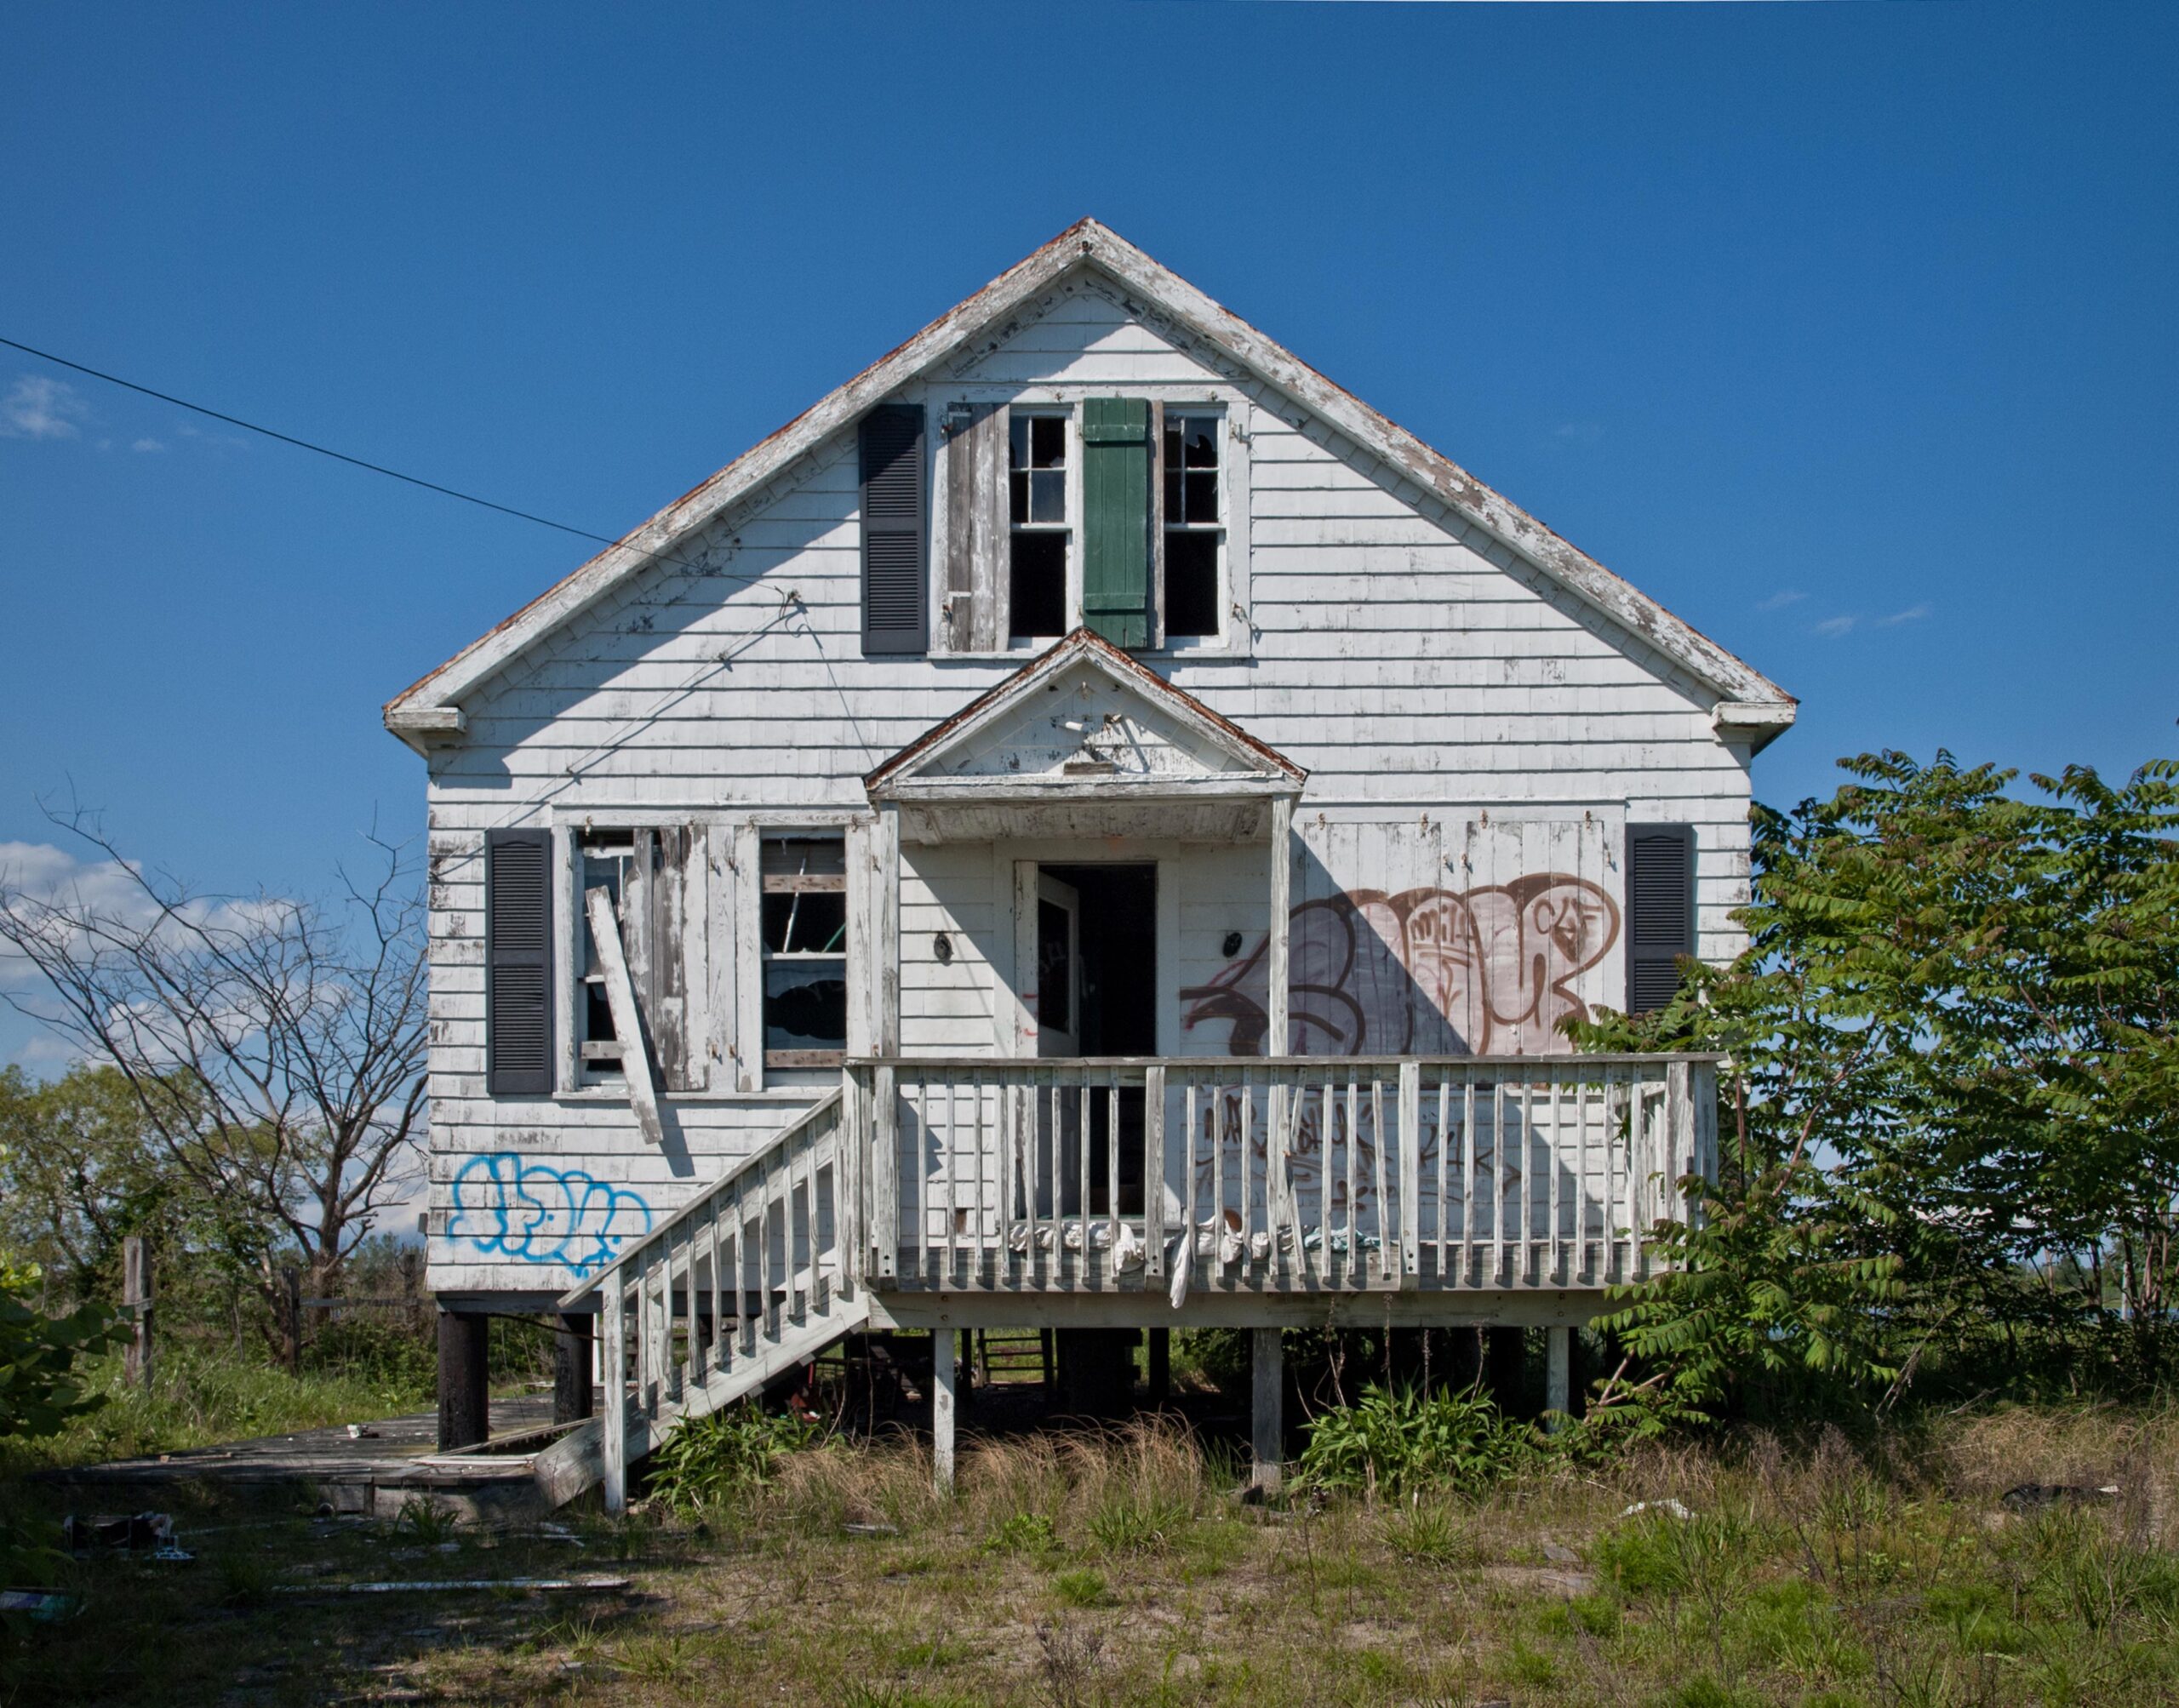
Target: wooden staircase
x=754, y=1276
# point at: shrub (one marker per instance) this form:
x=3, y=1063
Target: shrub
x=1139, y=1522
x=1392, y=1441
x=722, y=1454
x=1024, y=1533
x=1083, y=1588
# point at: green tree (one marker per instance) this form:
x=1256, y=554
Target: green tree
x=1949, y=1126
x=82, y=1170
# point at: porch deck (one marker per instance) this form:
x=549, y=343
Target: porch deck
x=1193, y=1177
x=944, y=1193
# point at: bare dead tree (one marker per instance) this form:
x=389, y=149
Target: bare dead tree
x=277, y=1046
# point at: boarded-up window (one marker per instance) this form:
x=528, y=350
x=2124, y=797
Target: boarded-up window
x=518, y=963
x=893, y=530
x=650, y=874
x=805, y=967
x=1660, y=912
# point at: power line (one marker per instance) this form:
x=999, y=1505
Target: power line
x=305, y=444
x=444, y=491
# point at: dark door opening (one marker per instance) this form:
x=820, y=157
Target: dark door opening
x=1097, y=934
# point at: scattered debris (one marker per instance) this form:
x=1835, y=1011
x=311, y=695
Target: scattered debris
x=357, y=1431
x=1560, y=1557
x=2028, y=1497
x=44, y=1606
x=130, y=1532
x=871, y=1529
x=431, y=1585
x=1667, y=1504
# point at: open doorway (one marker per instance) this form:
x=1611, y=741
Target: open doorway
x=1097, y=996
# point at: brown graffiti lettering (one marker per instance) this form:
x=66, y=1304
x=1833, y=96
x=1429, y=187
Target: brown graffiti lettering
x=1487, y=971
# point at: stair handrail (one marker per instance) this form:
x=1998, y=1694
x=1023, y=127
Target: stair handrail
x=573, y=1298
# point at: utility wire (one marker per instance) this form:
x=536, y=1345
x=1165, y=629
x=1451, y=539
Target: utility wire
x=444, y=491
x=305, y=444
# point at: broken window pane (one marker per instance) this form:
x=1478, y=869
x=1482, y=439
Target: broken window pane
x=805, y=1005
x=806, y=922
x=1191, y=582
x=1039, y=584
x=804, y=931
x=1192, y=536
x=1037, y=503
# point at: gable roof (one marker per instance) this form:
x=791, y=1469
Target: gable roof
x=432, y=706
x=1255, y=767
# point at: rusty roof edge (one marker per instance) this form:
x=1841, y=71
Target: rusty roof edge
x=1087, y=240
x=1602, y=588
x=1083, y=643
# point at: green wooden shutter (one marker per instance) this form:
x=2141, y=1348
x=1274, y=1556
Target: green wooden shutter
x=1115, y=519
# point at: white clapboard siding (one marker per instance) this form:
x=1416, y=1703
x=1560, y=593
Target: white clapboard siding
x=1467, y=725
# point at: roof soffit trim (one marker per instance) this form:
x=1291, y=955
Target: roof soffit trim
x=1265, y=768
x=948, y=336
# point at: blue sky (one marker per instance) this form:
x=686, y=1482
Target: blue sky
x=1846, y=331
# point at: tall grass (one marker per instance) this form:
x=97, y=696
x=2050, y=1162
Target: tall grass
x=200, y=1397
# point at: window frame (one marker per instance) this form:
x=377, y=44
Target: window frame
x=1222, y=594
x=1069, y=415
x=596, y=1061
x=1235, y=642
x=778, y=884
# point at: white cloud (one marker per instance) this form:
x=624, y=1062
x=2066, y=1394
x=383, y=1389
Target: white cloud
x=1912, y=613
x=1779, y=600
x=1832, y=628
x=147, y=445
x=40, y=873
x=38, y=408
x=1582, y=433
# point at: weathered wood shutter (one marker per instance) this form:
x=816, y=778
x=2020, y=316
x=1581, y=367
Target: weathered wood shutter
x=893, y=530
x=1116, y=468
x=658, y=936
x=977, y=616
x=518, y=963
x=1660, y=912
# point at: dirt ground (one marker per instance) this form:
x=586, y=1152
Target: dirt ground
x=1118, y=1568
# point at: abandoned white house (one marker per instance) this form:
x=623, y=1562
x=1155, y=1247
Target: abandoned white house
x=1089, y=826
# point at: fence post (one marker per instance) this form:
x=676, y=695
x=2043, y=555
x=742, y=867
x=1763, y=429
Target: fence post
x=295, y=1279
x=136, y=1298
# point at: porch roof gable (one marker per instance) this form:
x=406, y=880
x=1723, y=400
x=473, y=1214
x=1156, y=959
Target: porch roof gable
x=1085, y=720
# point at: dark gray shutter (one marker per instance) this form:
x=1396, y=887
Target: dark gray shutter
x=893, y=530
x=518, y=963
x=1660, y=912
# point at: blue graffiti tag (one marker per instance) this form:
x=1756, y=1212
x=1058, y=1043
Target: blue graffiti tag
x=535, y=1213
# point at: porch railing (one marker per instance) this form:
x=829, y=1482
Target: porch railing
x=1293, y=1173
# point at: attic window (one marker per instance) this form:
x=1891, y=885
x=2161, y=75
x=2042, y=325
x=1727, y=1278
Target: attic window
x=805, y=926
x=1189, y=457
x=1037, y=529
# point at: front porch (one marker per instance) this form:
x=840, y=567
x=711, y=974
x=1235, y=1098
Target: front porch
x=1166, y=1192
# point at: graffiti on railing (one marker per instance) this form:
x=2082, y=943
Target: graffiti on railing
x=1318, y=1161
x=506, y=1205
x=1487, y=971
